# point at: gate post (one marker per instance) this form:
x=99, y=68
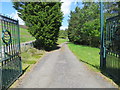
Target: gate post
x=0, y=77
x=102, y=48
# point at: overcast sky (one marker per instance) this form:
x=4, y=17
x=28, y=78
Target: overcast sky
x=67, y=5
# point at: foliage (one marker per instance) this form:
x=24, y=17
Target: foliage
x=43, y=20
x=63, y=34
x=84, y=25
x=111, y=9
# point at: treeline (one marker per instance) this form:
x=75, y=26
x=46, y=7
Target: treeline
x=43, y=20
x=84, y=23
x=63, y=34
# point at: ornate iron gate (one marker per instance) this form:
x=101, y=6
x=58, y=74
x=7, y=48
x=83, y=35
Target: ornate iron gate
x=10, y=61
x=112, y=44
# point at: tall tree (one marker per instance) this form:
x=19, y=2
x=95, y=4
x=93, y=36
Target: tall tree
x=84, y=25
x=111, y=9
x=43, y=19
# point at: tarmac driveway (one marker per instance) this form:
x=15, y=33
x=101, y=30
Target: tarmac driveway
x=61, y=69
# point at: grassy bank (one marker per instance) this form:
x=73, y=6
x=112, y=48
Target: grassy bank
x=89, y=55
x=25, y=35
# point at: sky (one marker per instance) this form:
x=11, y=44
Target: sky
x=6, y=8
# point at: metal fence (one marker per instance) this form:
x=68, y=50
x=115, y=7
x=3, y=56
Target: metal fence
x=27, y=45
x=112, y=44
x=10, y=61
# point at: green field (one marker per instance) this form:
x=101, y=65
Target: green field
x=88, y=55
x=25, y=35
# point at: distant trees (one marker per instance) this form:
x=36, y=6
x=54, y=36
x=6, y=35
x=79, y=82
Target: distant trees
x=84, y=25
x=43, y=19
x=112, y=8
x=63, y=34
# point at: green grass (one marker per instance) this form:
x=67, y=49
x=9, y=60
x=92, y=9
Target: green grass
x=30, y=56
x=25, y=35
x=89, y=55
x=60, y=41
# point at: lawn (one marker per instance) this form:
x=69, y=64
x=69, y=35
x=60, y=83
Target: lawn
x=86, y=54
x=60, y=40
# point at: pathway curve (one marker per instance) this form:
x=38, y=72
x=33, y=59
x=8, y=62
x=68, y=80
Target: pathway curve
x=61, y=69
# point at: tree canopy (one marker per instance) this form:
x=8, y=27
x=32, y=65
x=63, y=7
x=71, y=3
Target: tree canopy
x=84, y=25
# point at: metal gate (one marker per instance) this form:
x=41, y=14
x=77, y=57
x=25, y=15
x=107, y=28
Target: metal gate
x=10, y=61
x=112, y=44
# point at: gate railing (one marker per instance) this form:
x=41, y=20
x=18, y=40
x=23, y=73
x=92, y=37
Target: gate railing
x=112, y=44
x=10, y=61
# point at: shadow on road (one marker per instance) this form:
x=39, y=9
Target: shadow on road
x=25, y=70
x=56, y=47
x=39, y=46
x=115, y=78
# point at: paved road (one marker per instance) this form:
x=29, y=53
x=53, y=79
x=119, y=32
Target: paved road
x=61, y=69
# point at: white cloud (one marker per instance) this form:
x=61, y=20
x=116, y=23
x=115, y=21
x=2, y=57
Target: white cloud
x=15, y=16
x=66, y=6
x=63, y=27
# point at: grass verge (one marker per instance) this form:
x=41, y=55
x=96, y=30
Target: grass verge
x=91, y=57
x=30, y=56
x=88, y=55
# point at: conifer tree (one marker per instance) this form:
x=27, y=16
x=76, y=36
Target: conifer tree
x=43, y=19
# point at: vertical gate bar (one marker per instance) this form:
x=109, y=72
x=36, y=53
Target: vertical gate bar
x=18, y=35
x=8, y=69
x=3, y=43
x=13, y=49
x=4, y=62
x=1, y=54
x=11, y=46
x=19, y=46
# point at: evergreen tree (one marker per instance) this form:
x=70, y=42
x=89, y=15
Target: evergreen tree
x=43, y=19
x=84, y=25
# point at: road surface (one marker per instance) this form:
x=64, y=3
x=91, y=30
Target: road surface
x=61, y=69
